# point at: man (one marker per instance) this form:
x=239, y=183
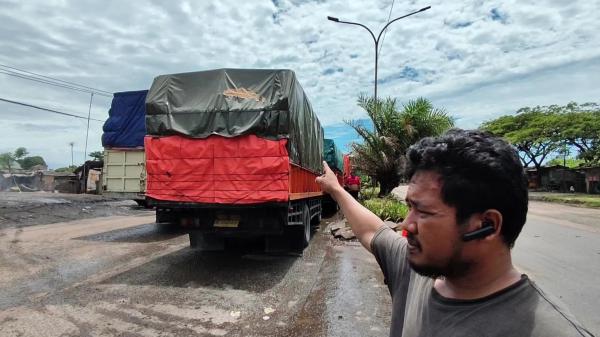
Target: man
x=453, y=275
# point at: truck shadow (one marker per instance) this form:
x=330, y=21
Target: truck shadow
x=146, y=233
x=190, y=268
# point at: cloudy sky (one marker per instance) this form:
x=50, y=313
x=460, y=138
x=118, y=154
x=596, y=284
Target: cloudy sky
x=476, y=59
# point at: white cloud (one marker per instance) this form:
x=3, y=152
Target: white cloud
x=479, y=59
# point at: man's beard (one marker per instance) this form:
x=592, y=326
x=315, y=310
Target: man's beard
x=455, y=267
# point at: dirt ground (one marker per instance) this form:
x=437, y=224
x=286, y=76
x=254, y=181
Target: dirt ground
x=38, y=208
x=73, y=265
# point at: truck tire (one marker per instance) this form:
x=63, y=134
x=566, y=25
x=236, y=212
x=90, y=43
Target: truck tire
x=316, y=220
x=307, y=230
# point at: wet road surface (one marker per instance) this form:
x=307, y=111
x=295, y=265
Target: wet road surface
x=126, y=276
x=559, y=248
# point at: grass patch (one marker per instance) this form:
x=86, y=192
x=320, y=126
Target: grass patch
x=369, y=192
x=387, y=208
x=586, y=200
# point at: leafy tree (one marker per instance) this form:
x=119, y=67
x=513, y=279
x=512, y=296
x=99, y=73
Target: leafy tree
x=97, y=155
x=19, y=156
x=381, y=155
x=531, y=131
x=542, y=130
x=569, y=162
x=20, y=152
x=579, y=126
x=69, y=169
x=29, y=162
x=8, y=160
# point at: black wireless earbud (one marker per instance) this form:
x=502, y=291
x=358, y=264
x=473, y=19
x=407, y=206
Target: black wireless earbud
x=487, y=228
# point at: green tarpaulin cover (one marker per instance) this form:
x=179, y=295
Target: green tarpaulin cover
x=332, y=155
x=232, y=102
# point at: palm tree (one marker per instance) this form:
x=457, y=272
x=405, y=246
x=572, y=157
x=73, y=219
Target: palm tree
x=381, y=155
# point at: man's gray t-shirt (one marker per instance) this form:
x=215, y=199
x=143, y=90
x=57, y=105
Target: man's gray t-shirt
x=522, y=309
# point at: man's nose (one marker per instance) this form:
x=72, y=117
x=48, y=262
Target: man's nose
x=409, y=224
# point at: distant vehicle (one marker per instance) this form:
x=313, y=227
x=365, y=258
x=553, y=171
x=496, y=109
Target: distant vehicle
x=335, y=160
x=352, y=182
x=124, y=173
x=234, y=153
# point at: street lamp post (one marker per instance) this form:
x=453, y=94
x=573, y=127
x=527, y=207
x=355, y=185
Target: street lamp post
x=71, y=144
x=376, y=40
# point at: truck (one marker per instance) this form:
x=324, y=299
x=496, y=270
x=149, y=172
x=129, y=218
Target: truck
x=352, y=182
x=123, y=171
x=234, y=153
x=335, y=160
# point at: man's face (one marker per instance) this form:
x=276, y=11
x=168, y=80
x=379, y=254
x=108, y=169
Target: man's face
x=434, y=244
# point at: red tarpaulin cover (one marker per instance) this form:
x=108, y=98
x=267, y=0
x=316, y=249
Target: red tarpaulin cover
x=239, y=170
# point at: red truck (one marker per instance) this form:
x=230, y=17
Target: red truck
x=234, y=153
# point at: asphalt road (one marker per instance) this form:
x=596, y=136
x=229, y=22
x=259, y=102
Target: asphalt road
x=559, y=249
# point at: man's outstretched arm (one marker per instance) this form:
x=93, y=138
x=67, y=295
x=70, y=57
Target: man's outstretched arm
x=363, y=222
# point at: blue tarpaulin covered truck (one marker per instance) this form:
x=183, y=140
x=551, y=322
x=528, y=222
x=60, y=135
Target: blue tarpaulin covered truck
x=124, y=173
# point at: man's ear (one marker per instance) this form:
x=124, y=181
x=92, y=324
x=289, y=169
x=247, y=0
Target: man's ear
x=493, y=218
x=483, y=226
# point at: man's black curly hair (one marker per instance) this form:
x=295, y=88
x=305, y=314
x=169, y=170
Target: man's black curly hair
x=479, y=172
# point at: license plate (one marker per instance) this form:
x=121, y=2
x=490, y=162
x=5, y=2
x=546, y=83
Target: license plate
x=232, y=222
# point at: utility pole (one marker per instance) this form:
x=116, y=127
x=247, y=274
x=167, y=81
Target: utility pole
x=87, y=132
x=71, y=144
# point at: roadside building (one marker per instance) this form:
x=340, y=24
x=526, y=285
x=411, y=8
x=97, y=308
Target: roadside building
x=557, y=178
x=62, y=182
x=592, y=179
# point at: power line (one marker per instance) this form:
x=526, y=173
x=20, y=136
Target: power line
x=55, y=79
x=31, y=78
x=385, y=33
x=49, y=110
x=96, y=91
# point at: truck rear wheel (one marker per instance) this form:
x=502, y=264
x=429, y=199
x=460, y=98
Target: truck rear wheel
x=307, y=226
x=298, y=234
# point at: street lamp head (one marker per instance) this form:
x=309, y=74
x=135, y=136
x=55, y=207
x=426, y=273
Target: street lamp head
x=331, y=18
x=424, y=9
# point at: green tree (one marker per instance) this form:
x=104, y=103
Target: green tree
x=29, y=162
x=19, y=156
x=20, y=152
x=381, y=155
x=541, y=131
x=96, y=155
x=569, y=162
x=7, y=160
x=69, y=169
x=579, y=126
x=531, y=131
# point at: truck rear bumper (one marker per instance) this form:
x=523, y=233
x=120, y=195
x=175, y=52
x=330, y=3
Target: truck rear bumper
x=125, y=195
x=226, y=220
